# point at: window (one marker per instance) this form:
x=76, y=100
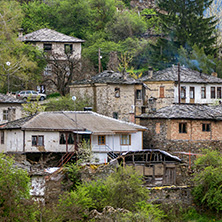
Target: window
x=68, y=48
x=192, y=92
x=70, y=138
x=37, y=140
x=47, y=47
x=117, y=92
x=62, y=139
x=2, y=137
x=125, y=140
x=203, y=92
x=183, y=92
x=5, y=114
x=212, y=93
x=138, y=94
x=182, y=127
x=206, y=127
x=115, y=115
x=161, y=91
x=101, y=140
x=48, y=70
x=219, y=92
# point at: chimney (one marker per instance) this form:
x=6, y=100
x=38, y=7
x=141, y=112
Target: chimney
x=200, y=72
x=150, y=72
x=214, y=74
x=20, y=32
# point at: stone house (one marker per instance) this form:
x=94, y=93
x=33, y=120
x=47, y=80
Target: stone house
x=61, y=132
x=10, y=108
x=112, y=94
x=193, y=87
x=56, y=45
x=183, y=128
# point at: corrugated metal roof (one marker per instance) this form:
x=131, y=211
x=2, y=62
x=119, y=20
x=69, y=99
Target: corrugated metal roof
x=186, y=111
x=186, y=76
x=48, y=35
x=66, y=120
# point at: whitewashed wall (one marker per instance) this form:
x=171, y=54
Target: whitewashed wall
x=198, y=93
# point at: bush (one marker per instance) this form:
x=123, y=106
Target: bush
x=207, y=191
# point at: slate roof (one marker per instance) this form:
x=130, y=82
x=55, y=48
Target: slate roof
x=186, y=111
x=9, y=99
x=48, y=35
x=186, y=76
x=66, y=121
x=109, y=76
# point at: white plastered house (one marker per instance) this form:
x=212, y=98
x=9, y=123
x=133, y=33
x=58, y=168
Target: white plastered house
x=60, y=132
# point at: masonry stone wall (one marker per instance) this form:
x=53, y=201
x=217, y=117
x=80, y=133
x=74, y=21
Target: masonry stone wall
x=154, y=91
x=105, y=102
x=164, y=134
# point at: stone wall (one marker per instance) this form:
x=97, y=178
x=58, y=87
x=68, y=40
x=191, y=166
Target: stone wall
x=106, y=103
x=164, y=134
x=154, y=91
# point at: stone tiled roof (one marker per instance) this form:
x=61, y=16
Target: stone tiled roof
x=48, y=35
x=186, y=76
x=9, y=99
x=73, y=121
x=186, y=111
x=109, y=76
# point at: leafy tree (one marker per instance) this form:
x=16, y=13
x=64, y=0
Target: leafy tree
x=17, y=62
x=15, y=203
x=125, y=24
x=31, y=108
x=66, y=103
x=207, y=190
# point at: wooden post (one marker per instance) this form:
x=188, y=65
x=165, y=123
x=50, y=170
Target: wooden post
x=178, y=82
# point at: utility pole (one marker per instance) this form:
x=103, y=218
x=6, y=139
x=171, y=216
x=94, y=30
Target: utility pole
x=178, y=82
x=99, y=60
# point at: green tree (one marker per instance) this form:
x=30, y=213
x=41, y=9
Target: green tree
x=18, y=64
x=184, y=22
x=66, y=103
x=207, y=190
x=15, y=203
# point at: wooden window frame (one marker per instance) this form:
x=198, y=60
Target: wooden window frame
x=162, y=92
x=37, y=139
x=219, y=93
x=213, y=92
x=2, y=137
x=102, y=141
x=5, y=114
x=206, y=127
x=138, y=94
x=182, y=127
x=127, y=139
x=193, y=90
x=203, y=92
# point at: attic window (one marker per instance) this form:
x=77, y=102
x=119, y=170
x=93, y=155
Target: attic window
x=117, y=92
x=68, y=48
x=47, y=47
